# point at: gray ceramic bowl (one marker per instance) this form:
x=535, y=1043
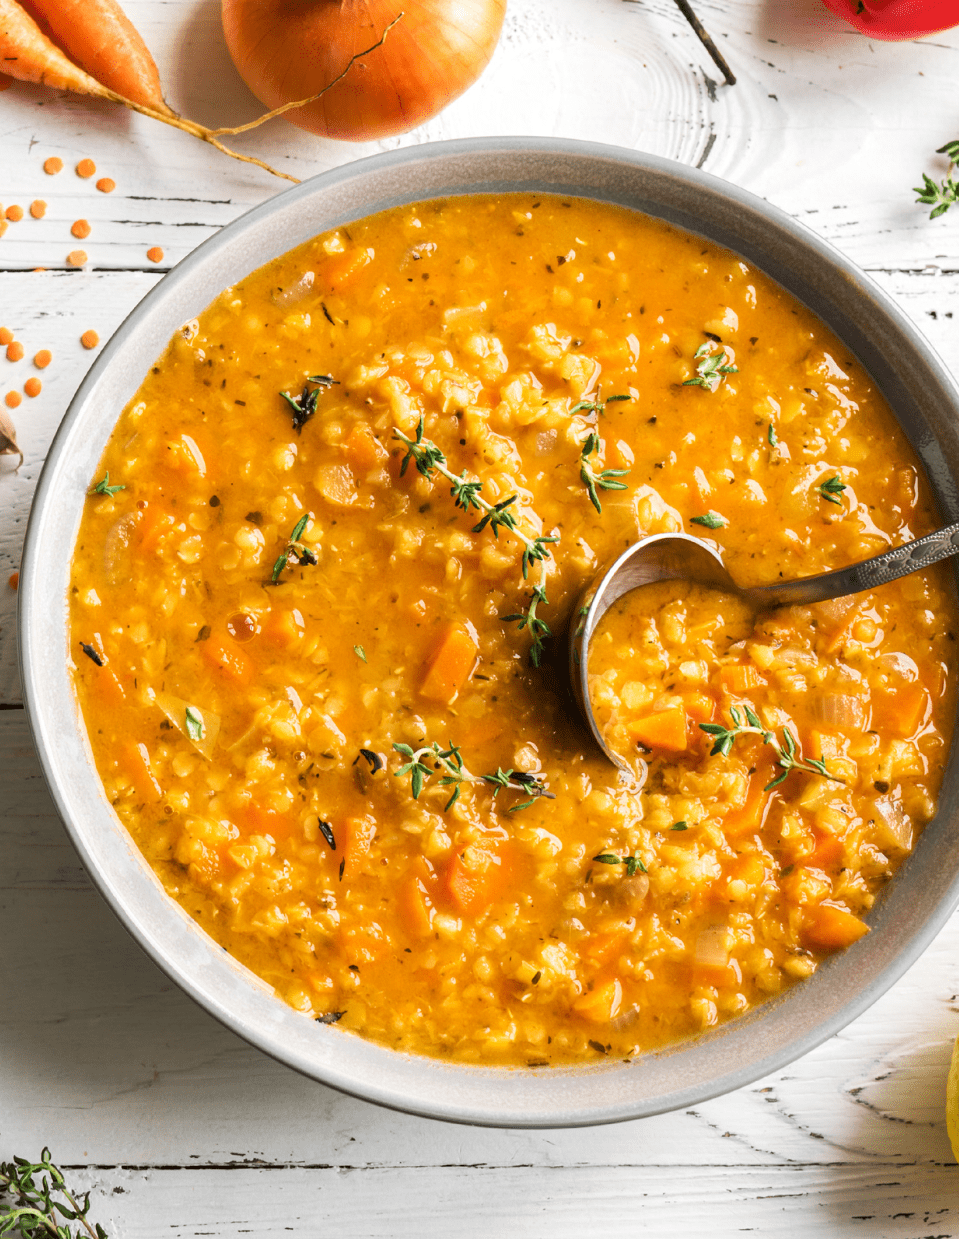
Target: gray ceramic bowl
x=914, y=381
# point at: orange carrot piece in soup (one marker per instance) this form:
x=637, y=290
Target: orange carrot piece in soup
x=740, y=678
x=345, y=268
x=601, y=1004
x=415, y=907
x=830, y=927
x=224, y=655
x=134, y=761
x=700, y=707
x=354, y=838
x=451, y=664
x=750, y=818
x=666, y=729
x=363, y=450
x=99, y=37
x=473, y=878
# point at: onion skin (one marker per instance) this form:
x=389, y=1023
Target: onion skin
x=287, y=50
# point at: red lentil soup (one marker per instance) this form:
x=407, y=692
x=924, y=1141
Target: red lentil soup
x=317, y=600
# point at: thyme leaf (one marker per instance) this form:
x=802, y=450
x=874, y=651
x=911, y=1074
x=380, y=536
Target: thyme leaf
x=539, y=630
x=944, y=195
x=423, y=762
x=91, y=653
x=788, y=757
x=596, y=406
x=711, y=520
x=103, y=487
x=359, y=652
x=605, y=479
x=831, y=489
x=34, y=1188
x=193, y=723
x=710, y=367
x=294, y=550
x=634, y=864
x=304, y=405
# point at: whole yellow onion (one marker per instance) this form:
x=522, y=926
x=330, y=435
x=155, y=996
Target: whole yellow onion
x=286, y=50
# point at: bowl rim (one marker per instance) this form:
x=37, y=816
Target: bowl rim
x=490, y=1096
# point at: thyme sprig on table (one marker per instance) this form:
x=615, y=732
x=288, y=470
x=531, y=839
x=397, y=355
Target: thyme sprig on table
x=746, y=722
x=946, y=194
x=429, y=458
x=304, y=405
x=605, y=479
x=294, y=550
x=710, y=367
x=34, y=1188
x=423, y=762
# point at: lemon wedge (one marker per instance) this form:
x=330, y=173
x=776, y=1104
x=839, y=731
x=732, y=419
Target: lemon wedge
x=952, y=1101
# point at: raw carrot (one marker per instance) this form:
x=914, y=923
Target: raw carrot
x=27, y=54
x=101, y=39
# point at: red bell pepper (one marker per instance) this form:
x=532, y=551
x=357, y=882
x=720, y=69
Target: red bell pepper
x=897, y=19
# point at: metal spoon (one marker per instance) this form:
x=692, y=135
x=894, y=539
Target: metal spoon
x=679, y=557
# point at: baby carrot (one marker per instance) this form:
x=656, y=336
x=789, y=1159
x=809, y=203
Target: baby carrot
x=99, y=36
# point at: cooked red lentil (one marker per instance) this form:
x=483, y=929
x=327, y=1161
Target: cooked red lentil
x=307, y=678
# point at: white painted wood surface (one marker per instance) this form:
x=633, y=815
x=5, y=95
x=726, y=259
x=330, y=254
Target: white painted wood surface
x=178, y=1127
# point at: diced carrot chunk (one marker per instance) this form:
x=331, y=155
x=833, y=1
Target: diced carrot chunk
x=184, y=455
x=135, y=762
x=601, y=948
x=283, y=627
x=342, y=270
x=666, y=729
x=699, y=706
x=105, y=687
x=829, y=854
x=452, y=663
x=751, y=817
x=718, y=974
x=364, y=944
x=600, y=1005
x=844, y=623
x=902, y=711
x=156, y=523
x=255, y=820
x=415, y=908
x=473, y=878
x=363, y=450
x=354, y=837
x=831, y=927
x=224, y=655
x=740, y=678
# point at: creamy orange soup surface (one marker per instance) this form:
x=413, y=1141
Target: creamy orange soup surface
x=317, y=606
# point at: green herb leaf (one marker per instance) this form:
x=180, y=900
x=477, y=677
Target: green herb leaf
x=295, y=550
x=607, y=858
x=788, y=756
x=940, y=197
x=605, y=480
x=359, y=652
x=772, y=436
x=711, y=520
x=103, y=487
x=194, y=724
x=711, y=367
x=831, y=489
x=35, y=1188
x=679, y=826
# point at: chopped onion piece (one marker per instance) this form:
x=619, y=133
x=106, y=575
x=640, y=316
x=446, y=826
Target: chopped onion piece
x=286, y=298
x=625, y=1019
x=839, y=712
x=893, y=829
x=712, y=949
x=899, y=665
x=116, y=546
x=201, y=727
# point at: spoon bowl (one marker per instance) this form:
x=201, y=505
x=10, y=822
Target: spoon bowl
x=681, y=557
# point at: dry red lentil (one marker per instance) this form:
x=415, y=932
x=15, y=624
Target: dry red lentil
x=106, y=185
x=14, y=580
x=6, y=335
x=33, y=387
x=155, y=254
x=14, y=214
x=15, y=351
x=80, y=229
x=38, y=208
x=13, y=398
x=42, y=359
x=86, y=168
x=53, y=165
x=76, y=258
x=90, y=339
x=3, y=226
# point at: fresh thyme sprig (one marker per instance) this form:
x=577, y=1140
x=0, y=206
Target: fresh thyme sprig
x=786, y=753
x=304, y=405
x=634, y=864
x=454, y=774
x=605, y=479
x=941, y=197
x=295, y=549
x=596, y=406
x=34, y=1186
x=710, y=367
x=539, y=630
x=103, y=487
x=832, y=489
x=429, y=458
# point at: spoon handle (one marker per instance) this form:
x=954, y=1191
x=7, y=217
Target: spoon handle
x=857, y=578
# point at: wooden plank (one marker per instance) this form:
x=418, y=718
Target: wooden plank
x=105, y=1060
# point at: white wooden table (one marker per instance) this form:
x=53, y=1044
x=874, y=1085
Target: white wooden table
x=177, y=1126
